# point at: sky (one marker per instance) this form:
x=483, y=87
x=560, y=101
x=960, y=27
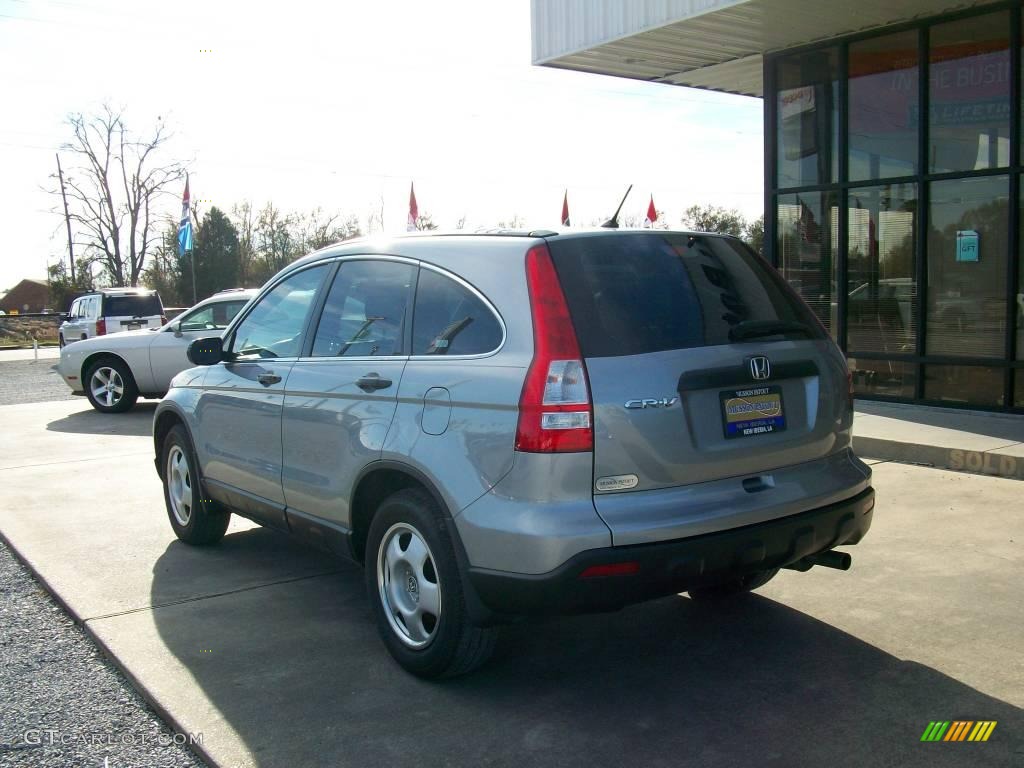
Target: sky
x=341, y=105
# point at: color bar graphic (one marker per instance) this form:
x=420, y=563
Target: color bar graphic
x=958, y=730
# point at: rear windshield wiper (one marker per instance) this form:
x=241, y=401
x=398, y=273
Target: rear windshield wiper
x=750, y=329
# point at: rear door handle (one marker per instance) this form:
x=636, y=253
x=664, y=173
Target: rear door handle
x=266, y=379
x=372, y=382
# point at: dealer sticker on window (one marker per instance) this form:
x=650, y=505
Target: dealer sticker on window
x=754, y=411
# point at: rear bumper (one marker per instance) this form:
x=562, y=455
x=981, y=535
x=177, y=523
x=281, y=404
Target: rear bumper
x=674, y=566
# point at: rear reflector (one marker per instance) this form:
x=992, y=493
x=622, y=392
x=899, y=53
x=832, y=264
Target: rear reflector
x=611, y=569
x=555, y=412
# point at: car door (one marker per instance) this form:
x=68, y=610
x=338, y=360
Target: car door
x=238, y=414
x=70, y=329
x=169, y=347
x=91, y=315
x=341, y=395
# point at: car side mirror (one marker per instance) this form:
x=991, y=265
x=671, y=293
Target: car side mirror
x=177, y=328
x=208, y=351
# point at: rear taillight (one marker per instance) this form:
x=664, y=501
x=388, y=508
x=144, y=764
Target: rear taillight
x=555, y=412
x=101, y=327
x=163, y=319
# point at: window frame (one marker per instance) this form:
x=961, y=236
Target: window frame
x=178, y=321
x=314, y=325
x=228, y=335
x=473, y=290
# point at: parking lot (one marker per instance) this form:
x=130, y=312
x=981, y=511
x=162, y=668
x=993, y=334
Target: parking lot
x=268, y=650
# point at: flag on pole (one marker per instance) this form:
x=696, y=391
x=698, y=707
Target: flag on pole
x=185, y=227
x=414, y=211
x=565, y=209
x=652, y=214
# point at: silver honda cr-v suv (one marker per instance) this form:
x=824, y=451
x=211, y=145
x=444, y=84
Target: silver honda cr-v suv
x=523, y=423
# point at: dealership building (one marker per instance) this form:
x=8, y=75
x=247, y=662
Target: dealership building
x=892, y=165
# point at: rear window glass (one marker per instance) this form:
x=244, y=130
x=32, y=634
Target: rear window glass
x=450, y=320
x=132, y=306
x=646, y=292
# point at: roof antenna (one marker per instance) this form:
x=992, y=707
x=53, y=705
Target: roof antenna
x=613, y=222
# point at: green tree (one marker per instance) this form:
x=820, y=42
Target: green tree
x=163, y=272
x=215, y=255
x=753, y=234
x=62, y=290
x=713, y=218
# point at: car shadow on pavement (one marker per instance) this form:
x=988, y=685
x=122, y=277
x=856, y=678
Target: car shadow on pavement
x=298, y=672
x=137, y=422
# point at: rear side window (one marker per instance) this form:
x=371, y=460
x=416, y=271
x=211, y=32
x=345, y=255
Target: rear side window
x=132, y=306
x=632, y=294
x=449, y=319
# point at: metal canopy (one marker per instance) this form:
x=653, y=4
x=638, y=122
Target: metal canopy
x=713, y=44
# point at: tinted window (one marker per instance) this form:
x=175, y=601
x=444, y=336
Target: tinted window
x=969, y=87
x=365, y=311
x=132, y=306
x=212, y=316
x=884, y=106
x=808, y=124
x=451, y=320
x=635, y=293
x=275, y=326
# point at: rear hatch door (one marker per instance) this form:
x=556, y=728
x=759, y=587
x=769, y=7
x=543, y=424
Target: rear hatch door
x=132, y=312
x=702, y=363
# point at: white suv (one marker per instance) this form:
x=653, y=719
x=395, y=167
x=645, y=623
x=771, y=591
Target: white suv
x=110, y=310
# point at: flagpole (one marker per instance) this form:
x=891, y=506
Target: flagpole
x=192, y=258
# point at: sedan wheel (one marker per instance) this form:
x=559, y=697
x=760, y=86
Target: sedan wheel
x=107, y=386
x=110, y=386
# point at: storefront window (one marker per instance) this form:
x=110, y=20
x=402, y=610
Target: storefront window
x=1018, y=308
x=882, y=298
x=967, y=251
x=884, y=107
x=964, y=384
x=969, y=83
x=806, y=248
x=807, y=106
x=887, y=378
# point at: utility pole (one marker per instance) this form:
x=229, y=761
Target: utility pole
x=67, y=220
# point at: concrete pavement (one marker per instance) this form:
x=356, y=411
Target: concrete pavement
x=43, y=353
x=965, y=441
x=269, y=650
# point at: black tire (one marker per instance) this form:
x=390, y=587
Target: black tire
x=60, y=341
x=455, y=646
x=732, y=588
x=205, y=521
x=116, y=370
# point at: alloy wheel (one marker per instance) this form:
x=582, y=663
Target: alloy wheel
x=179, y=485
x=409, y=588
x=107, y=386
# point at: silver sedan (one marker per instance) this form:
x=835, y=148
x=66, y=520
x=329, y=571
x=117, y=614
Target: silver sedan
x=113, y=371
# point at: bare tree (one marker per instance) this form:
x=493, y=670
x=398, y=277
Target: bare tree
x=114, y=186
x=245, y=222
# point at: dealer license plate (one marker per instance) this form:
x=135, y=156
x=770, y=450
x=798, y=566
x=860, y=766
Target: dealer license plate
x=753, y=411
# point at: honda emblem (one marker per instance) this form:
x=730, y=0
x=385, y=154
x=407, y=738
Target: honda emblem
x=760, y=368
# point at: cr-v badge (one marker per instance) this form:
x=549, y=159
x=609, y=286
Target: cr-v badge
x=650, y=402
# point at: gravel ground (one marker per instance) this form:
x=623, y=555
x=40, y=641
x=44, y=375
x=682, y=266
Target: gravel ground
x=61, y=702
x=31, y=381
